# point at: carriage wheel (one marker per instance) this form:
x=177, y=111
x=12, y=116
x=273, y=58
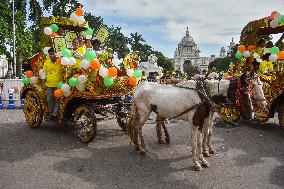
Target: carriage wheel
x=229, y=114
x=281, y=115
x=122, y=116
x=33, y=110
x=85, y=123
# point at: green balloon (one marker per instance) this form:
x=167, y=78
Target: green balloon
x=73, y=81
x=274, y=50
x=238, y=55
x=281, y=20
x=91, y=55
x=54, y=27
x=108, y=81
x=66, y=53
x=89, y=31
x=59, y=85
x=26, y=80
x=137, y=73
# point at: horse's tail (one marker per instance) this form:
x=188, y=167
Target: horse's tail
x=132, y=121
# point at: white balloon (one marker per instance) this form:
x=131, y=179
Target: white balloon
x=88, y=36
x=45, y=50
x=273, y=23
x=103, y=71
x=73, y=17
x=42, y=74
x=80, y=87
x=81, y=19
x=85, y=64
x=259, y=60
x=65, y=87
x=47, y=31
x=83, y=33
x=65, y=61
x=33, y=80
x=273, y=57
x=72, y=61
x=67, y=93
x=82, y=79
x=130, y=72
x=246, y=54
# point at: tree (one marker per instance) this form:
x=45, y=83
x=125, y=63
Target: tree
x=136, y=41
x=62, y=7
x=164, y=62
x=189, y=69
x=118, y=42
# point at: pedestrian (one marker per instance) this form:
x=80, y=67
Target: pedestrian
x=54, y=75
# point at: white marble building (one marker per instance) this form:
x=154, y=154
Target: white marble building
x=188, y=51
x=151, y=66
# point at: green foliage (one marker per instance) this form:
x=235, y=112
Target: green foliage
x=189, y=69
x=164, y=62
x=118, y=42
x=61, y=8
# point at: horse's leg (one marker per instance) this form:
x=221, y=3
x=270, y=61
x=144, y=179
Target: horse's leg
x=167, y=139
x=204, y=163
x=143, y=118
x=209, y=137
x=205, y=136
x=159, y=129
x=194, y=133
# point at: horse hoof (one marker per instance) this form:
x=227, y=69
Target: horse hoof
x=137, y=148
x=206, y=154
x=205, y=164
x=160, y=141
x=198, y=168
x=143, y=152
x=212, y=151
x=167, y=140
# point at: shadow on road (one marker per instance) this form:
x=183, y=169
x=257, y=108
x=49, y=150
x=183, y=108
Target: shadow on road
x=259, y=141
x=122, y=167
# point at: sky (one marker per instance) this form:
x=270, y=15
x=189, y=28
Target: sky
x=162, y=23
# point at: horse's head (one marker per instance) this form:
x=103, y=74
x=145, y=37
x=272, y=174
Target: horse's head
x=257, y=95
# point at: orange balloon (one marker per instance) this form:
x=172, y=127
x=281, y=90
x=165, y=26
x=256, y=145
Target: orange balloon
x=273, y=14
x=95, y=64
x=53, y=34
x=112, y=71
x=29, y=74
x=251, y=48
x=76, y=75
x=58, y=93
x=281, y=55
x=58, y=61
x=132, y=81
x=242, y=48
x=79, y=11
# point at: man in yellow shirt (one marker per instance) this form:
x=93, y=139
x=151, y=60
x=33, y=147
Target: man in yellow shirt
x=54, y=75
x=266, y=68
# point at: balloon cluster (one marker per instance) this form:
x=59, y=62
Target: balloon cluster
x=29, y=78
x=67, y=58
x=134, y=75
x=77, y=16
x=51, y=31
x=277, y=18
x=275, y=53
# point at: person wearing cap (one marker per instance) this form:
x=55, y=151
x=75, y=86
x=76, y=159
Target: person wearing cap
x=54, y=74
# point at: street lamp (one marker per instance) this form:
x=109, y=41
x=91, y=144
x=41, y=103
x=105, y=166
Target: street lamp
x=14, y=41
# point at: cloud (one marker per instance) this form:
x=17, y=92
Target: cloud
x=210, y=22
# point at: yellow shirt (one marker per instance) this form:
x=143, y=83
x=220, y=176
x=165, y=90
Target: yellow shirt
x=265, y=67
x=79, y=52
x=54, y=73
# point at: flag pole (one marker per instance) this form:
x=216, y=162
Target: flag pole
x=14, y=41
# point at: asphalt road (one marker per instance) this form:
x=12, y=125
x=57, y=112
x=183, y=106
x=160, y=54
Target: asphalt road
x=250, y=156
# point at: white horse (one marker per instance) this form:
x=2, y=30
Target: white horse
x=183, y=102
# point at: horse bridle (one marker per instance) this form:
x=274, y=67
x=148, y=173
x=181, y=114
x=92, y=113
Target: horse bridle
x=251, y=89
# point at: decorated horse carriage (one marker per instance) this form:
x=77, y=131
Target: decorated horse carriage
x=250, y=55
x=96, y=87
